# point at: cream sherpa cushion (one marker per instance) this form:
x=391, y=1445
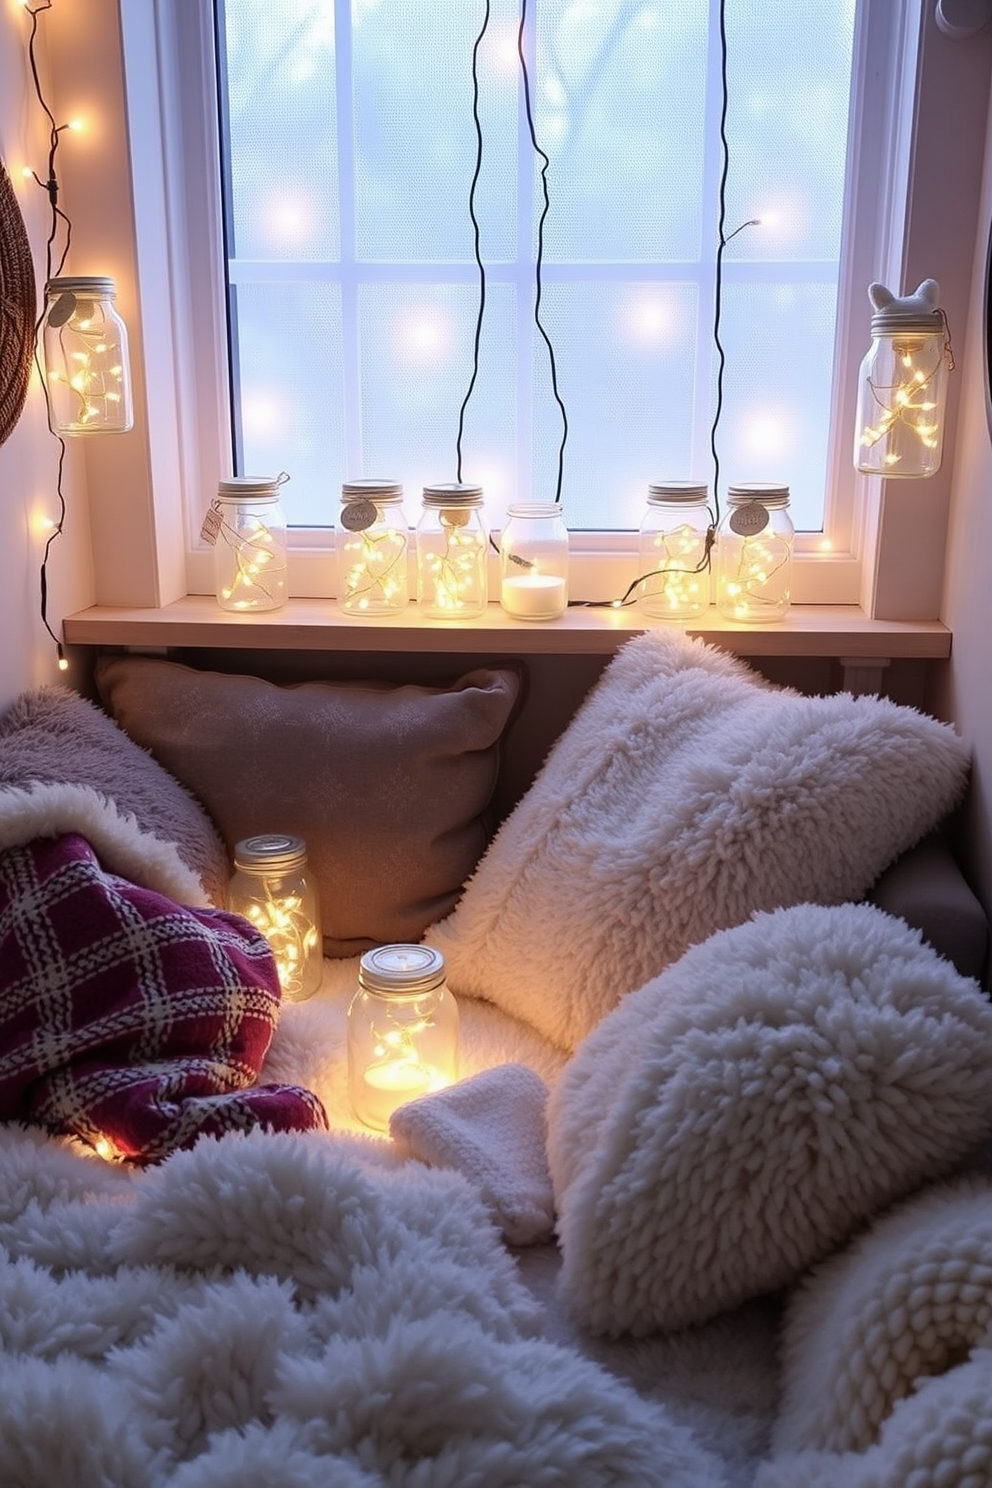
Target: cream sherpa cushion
x=685, y=794
x=736, y=1119
x=939, y=1437
x=911, y=1298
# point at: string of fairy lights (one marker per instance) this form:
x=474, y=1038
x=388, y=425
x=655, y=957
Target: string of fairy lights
x=724, y=238
x=60, y=225
x=61, y=229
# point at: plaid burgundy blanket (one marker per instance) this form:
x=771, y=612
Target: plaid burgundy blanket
x=126, y=1019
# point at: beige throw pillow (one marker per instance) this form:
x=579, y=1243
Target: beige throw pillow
x=388, y=785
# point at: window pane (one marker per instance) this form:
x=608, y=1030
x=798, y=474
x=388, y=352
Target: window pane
x=350, y=147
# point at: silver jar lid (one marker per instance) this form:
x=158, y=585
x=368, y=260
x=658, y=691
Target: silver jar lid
x=453, y=494
x=370, y=489
x=88, y=286
x=669, y=492
x=403, y=969
x=274, y=851
x=250, y=487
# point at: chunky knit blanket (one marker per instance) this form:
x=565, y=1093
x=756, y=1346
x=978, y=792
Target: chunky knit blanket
x=127, y=1019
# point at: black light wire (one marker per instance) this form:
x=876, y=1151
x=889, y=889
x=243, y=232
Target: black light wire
x=629, y=595
x=59, y=218
x=477, y=234
x=539, y=257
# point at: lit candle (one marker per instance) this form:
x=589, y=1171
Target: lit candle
x=393, y=1083
x=534, y=596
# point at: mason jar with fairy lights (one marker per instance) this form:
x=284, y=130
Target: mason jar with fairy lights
x=902, y=385
x=754, y=554
x=87, y=371
x=674, y=550
x=371, y=544
x=402, y=1031
x=452, y=553
x=246, y=526
x=272, y=888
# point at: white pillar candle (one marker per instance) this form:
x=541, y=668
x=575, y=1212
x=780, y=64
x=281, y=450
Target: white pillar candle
x=534, y=596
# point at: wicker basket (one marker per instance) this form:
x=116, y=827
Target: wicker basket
x=18, y=308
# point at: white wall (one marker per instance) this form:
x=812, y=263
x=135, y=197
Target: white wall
x=28, y=459
x=962, y=690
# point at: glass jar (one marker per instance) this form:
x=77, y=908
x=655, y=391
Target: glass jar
x=249, y=531
x=271, y=887
x=533, y=561
x=452, y=553
x=402, y=1031
x=370, y=547
x=86, y=359
x=902, y=386
x=754, y=554
x=673, y=551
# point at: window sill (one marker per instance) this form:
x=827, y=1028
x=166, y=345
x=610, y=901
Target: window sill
x=842, y=631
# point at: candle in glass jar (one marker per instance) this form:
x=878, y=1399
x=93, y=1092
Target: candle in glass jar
x=393, y=1083
x=534, y=596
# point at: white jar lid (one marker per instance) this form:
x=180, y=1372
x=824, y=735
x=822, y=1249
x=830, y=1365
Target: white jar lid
x=276, y=851
x=667, y=492
x=403, y=969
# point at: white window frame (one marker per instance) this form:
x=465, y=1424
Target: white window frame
x=181, y=295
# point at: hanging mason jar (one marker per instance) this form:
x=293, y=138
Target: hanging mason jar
x=247, y=527
x=402, y=1031
x=271, y=887
x=452, y=553
x=902, y=386
x=674, y=551
x=754, y=554
x=533, y=561
x=86, y=360
x=371, y=544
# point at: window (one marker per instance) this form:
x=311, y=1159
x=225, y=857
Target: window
x=349, y=150
x=347, y=254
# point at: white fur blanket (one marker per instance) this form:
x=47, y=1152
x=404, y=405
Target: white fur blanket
x=291, y=1309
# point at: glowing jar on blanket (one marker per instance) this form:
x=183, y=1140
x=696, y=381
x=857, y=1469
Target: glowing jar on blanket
x=272, y=889
x=402, y=1031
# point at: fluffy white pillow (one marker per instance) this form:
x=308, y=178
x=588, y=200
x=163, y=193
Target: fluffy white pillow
x=685, y=794
x=736, y=1119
